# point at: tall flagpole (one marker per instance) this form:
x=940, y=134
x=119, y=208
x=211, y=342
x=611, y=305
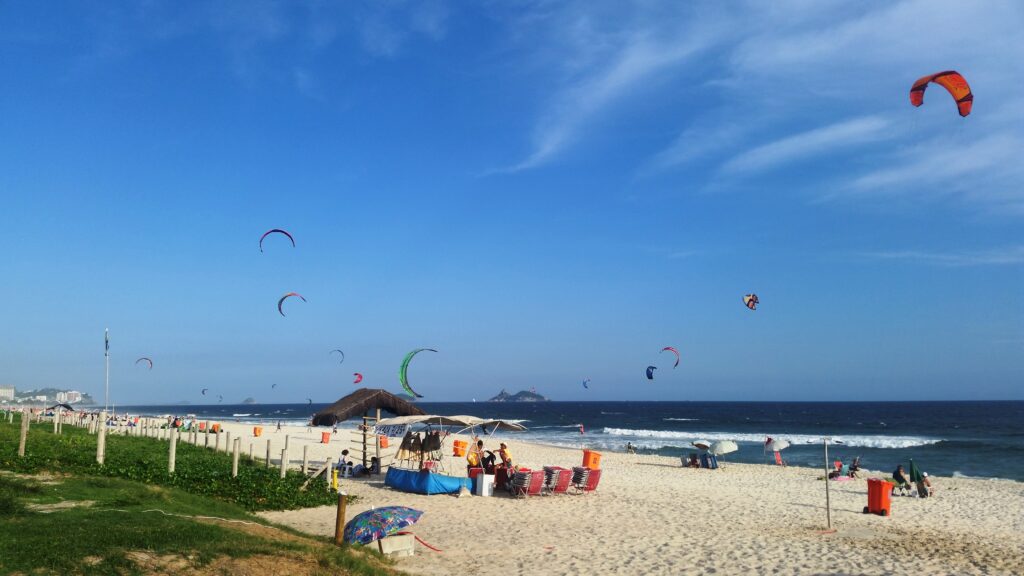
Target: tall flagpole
x=106, y=380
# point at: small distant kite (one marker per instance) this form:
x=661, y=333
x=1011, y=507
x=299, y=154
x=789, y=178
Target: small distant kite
x=953, y=82
x=219, y=398
x=650, y=372
x=751, y=301
x=278, y=231
x=309, y=401
x=359, y=378
x=285, y=297
x=204, y=391
x=585, y=382
x=674, y=351
x=339, y=352
x=402, y=372
x=272, y=386
x=147, y=360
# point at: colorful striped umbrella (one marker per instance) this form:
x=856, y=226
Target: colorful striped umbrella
x=379, y=523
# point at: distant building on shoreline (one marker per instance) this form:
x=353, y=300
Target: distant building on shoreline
x=7, y=392
x=69, y=397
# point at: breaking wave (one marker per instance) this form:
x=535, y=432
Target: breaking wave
x=858, y=440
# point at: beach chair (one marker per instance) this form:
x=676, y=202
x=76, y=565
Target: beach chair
x=521, y=483
x=580, y=476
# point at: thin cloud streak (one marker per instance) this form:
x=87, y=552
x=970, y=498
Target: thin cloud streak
x=1009, y=256
x=811, y=143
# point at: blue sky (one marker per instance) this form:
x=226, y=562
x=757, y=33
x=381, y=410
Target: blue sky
x=542, y=191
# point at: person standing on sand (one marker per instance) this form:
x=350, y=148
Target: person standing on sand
x=278, y=425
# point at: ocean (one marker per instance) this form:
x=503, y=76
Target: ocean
x=970, y=439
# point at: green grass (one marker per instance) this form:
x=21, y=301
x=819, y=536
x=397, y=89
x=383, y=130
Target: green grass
x=120, y=520
x=199, y=471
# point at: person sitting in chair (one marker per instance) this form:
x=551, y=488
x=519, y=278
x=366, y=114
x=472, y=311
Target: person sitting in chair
x=505, y=455
x=899, y=477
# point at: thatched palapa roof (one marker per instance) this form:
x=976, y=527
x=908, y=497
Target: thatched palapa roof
x=362, y=402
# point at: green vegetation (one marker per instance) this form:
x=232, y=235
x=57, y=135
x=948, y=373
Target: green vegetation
x=90, y=525
x=197, y=471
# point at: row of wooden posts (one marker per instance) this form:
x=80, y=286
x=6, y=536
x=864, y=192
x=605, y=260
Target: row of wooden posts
x=147, y=428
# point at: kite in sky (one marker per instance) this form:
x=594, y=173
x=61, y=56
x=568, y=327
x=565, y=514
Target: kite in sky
x=650, y=372
x=585, y=382
x=144, y=359
x=339, y=352
x=751, y=301
x=359, y=378
x=674, y=351
x=204, y=391
x=402, y=372
x=285, y=297
x=953, y=82
x=277, y=231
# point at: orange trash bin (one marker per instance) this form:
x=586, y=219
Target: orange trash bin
x=591, y=459
x=257, y=431
x=879, y=497
x=325, y=437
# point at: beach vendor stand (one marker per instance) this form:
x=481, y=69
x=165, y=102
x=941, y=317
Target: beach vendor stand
x=420, y=464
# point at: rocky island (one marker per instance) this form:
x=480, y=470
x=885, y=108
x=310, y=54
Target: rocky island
x=523, y=396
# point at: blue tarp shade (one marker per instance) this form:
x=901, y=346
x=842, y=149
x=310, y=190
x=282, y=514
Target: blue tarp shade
x=424, y=482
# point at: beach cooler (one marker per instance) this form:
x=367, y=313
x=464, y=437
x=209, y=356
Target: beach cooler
x=879, y=497
x=591, y=459
x=473, y=474
x=325, y=437
x=483, y=485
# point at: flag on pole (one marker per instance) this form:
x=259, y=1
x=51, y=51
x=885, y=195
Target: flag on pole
x=106, y=342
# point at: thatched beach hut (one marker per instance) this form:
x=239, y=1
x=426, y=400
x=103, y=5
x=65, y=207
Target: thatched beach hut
x=366, y=403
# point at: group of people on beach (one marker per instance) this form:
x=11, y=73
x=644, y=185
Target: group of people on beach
x=901, y=483
x=477, y=457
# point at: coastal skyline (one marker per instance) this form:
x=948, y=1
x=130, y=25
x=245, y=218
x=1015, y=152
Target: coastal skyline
x=544, y=194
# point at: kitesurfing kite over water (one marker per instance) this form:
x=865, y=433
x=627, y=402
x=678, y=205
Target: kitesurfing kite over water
x=674, y=351
x=339, y=352
x=278, y=231
x=585, y=382
x=359, y=378
x=402, y=372
x=219, y=398
x=272, y=386
x=204, y=391
x=953, y=82
x=650, y=372
x=285, y=297
x=144, y=359
x=309, y=401
x=751, y=301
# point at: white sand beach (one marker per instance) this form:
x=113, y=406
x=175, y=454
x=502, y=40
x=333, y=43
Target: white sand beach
x=651, y=516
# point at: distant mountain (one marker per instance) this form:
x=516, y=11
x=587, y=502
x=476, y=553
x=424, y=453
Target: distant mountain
x=523, y=396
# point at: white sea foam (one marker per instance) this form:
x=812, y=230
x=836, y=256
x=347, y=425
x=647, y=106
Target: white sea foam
x=858, y=440
x=681, y=419
x=241, y=415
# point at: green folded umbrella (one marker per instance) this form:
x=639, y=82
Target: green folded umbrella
x=915, y=472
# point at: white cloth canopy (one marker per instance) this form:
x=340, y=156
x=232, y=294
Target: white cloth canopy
x=777, y=444
x=461, y=421
x=702, y=444
x=723, y=447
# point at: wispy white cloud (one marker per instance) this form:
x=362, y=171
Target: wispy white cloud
x=810, y=143
x=1008, y=256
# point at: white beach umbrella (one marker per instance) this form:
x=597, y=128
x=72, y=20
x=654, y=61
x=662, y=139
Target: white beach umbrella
x=723, y=447
x=775, y=445
x=702, y=444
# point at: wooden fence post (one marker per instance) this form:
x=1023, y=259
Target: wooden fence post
x=251, y=457
x=284, y=462
x=101, y=439
x=24, y=435
x=234, y=457
x=339, y=520
x=305, y=459
x=172, y=451
x=56, y=414
x=268, y=452
x=285, y=441
x=216, y=442
x=227, y=441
